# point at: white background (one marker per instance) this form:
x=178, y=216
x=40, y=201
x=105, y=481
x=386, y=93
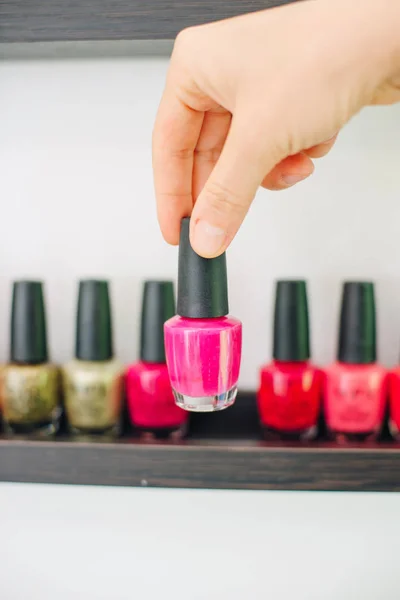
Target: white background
x=77, y=200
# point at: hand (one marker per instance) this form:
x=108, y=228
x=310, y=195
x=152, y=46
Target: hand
x=251, y=101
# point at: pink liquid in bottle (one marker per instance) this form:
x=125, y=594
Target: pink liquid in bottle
x=203, y=357
x=355, y=400
x=151, y=402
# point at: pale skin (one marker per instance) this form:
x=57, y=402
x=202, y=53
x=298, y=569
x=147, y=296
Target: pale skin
x=253, y=101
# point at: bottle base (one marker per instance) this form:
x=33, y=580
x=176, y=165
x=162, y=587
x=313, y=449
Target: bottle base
x=40, y=429
x=394, y=431
x=151, y=434
x=343, y=438
x=112, y=431
x=298, y=435
x=206, y=403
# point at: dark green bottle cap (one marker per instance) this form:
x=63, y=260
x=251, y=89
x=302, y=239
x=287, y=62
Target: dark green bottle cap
x=202, y=282
x=158, y=305
x=93, y=322
x=28, y=324
x=357, y=333
x=291, y=327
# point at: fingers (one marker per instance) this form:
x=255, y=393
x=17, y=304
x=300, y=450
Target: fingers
x=176, y=132
x=322, y=149
x=230, y=189
x=293, y=169
x=193, y=150
x=209, y=147
x=288, y=172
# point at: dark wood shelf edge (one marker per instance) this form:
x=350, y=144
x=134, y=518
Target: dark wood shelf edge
x=224, y=450
x=63, y=20
x=207, y=465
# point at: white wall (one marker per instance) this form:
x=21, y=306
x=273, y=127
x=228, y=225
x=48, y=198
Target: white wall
x=77, y=197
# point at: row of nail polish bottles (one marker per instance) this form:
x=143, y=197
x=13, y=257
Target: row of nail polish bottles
x=202, y=347
x=91, y=385
x=354, y=389
x=31, y=385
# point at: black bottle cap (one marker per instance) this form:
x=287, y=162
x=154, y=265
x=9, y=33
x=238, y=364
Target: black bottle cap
x=93, y=322
x=202, y=282
x=158, y=305
x=291, y=329
x=28, y=324
x=357, y=333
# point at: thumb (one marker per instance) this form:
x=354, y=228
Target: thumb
x=230, y=189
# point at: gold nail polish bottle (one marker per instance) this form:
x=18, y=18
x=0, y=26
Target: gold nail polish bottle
x=29, y=386
x=93, y=382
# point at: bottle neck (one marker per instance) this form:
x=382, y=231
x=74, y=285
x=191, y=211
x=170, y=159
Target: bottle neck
x=94, y=361
x=152, y=365
x=289, y=364
x=359, y=365
x=25, y=363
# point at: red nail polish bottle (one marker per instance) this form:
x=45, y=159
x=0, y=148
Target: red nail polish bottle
x=356, y=385
x=290, y=386
x=151, y=403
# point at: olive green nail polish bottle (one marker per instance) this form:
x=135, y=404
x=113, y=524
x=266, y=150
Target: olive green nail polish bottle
x=29, y=383
x=93, y=382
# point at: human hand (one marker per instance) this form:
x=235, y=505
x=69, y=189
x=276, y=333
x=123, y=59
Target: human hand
x=252, y=100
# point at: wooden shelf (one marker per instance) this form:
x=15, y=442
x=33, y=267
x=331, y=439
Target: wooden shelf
x=66, y=20
x=224, y=451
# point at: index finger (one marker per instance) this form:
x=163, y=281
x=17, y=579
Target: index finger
x=176, y=132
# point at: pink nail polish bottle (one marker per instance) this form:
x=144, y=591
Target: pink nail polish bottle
x=203, y=344
x=151, y=403
x=356, y=385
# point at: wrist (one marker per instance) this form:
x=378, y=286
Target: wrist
x=394, y=39
x=384, y=41
x=366, y=39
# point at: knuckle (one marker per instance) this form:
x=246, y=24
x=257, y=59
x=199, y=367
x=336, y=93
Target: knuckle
x=181, y=154
x=223, y=200
x=184, y=40
x=210, y=155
